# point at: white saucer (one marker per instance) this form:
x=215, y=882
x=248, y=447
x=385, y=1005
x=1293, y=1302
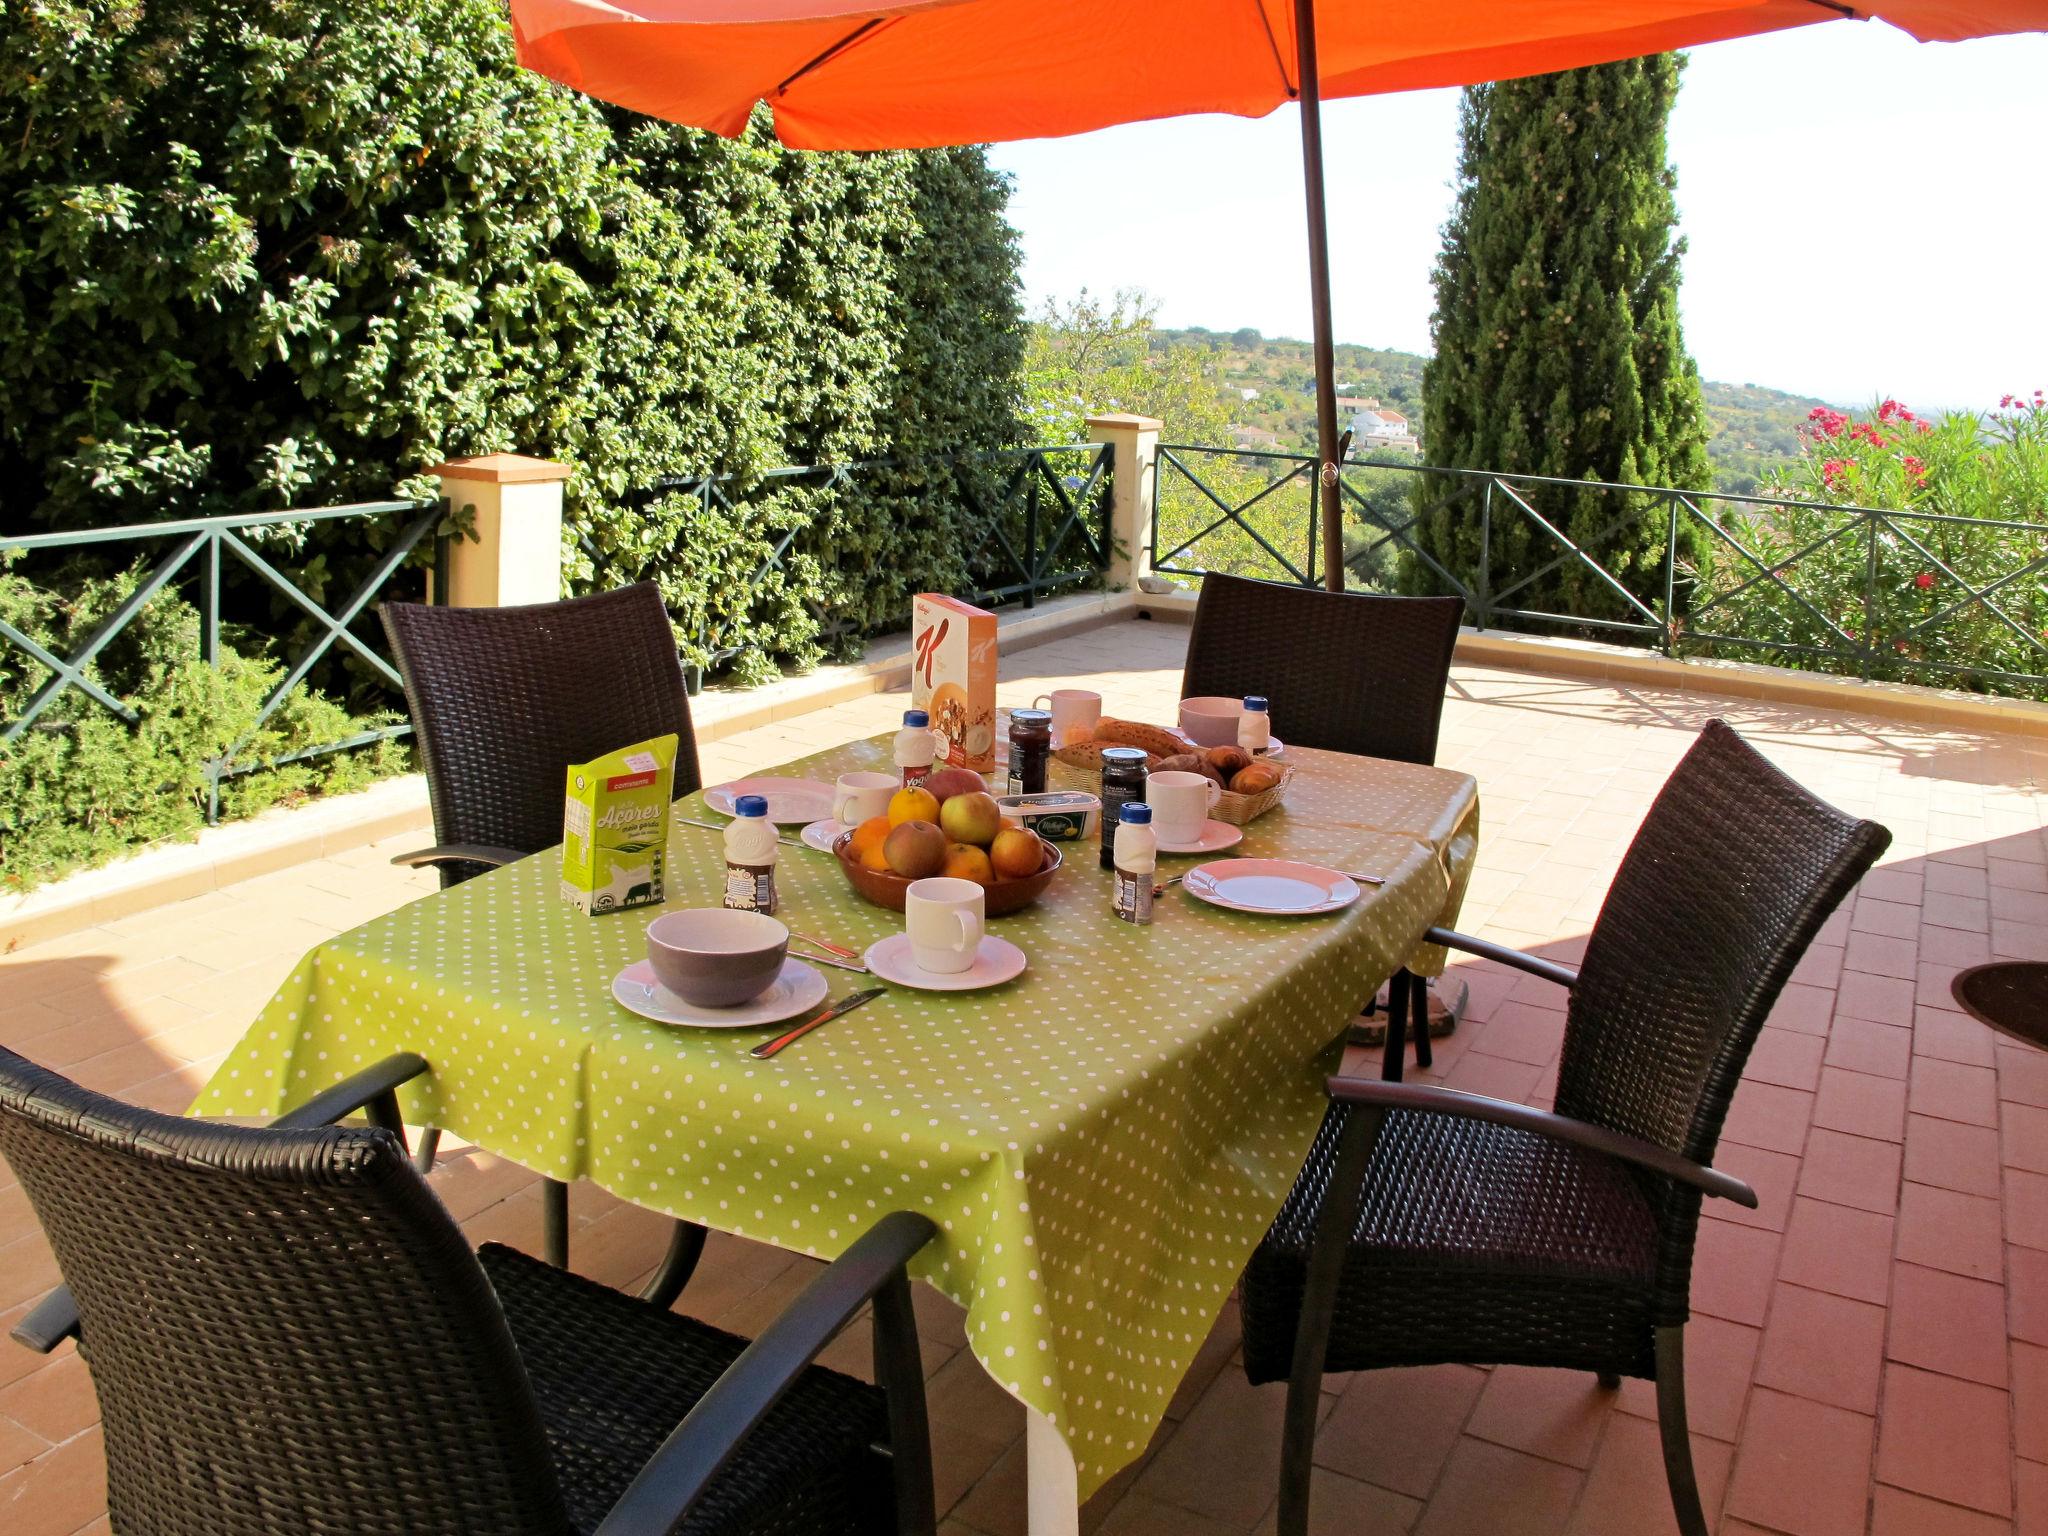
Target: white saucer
x=789, y=800
x=821, y=835
x=798, y=989
x=1214, y=838
x=997, y=961
x=1277, y=886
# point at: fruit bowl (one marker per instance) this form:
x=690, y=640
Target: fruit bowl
x=886, y=889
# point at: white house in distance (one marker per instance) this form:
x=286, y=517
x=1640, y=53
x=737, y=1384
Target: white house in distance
x=1378, y=426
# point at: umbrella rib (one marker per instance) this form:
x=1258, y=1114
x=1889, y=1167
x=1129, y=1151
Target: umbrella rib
x=1839, y=10
x=1279, y=60
x=834, y=51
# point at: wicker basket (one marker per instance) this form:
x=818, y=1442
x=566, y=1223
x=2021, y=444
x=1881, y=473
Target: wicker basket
x=1240, y=810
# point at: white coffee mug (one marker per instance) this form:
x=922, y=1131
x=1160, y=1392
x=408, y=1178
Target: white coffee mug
x=945, y=919
x=1075, y=714
x=859, y=797
x=1180, y=804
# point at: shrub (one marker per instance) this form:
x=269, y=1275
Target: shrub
x=1960, y=508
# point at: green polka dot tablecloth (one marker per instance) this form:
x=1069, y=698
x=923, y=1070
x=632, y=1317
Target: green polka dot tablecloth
x=1101, y=1142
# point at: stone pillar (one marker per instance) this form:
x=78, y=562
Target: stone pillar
x=516, y=505
x=1136, y=441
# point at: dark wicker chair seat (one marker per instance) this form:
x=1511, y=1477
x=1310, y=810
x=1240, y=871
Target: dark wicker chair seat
x=613, y=1375
x=1475, y=1241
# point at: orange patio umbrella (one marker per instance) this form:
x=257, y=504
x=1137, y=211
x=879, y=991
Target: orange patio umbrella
x=840, y=74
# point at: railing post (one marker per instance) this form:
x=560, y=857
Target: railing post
x=1867, y=641
x=209, y=652
x=516, y=554
x=1031, y=531
x=1486, y=555
x=1670, y=574
x=1134, y=442
x=1315, y=542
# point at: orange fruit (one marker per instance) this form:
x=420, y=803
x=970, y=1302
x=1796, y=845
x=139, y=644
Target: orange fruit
x=964, y=861
x=912, y=804
x=871, y=858
x=869, y=834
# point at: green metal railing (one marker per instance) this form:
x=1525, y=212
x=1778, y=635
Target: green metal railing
x=1039, y=525
x=1871, y=592
x=194, y=566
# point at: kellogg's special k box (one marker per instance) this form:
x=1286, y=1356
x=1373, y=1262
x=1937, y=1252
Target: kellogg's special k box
x=953, y=676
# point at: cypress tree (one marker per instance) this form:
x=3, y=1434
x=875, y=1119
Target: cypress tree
x=1558, y=349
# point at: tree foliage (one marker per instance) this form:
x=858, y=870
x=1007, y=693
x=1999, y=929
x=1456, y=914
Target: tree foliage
x=1558, y=346
x=1086, y=357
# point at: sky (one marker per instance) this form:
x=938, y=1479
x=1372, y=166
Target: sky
x=1866, y=215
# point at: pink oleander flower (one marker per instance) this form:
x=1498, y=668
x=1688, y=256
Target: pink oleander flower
x=1924, y=581
x=1915, y=470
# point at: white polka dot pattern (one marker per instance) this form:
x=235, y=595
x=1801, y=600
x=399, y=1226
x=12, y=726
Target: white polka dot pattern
x=1101, y=1142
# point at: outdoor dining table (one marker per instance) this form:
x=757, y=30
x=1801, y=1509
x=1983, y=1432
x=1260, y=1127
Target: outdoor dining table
x=1101, y=1142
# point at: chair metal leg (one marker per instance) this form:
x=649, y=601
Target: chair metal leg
x=1395, y=1050
x=685, y=1248
x=554, y=1222
x=1610, y=1381
x=423, y=1154
x=899, y=1372
x=1418, y=1012
x=1678, y=1472
x=1318, y=1311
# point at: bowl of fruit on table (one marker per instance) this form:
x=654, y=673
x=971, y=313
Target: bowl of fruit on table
x=950, y=826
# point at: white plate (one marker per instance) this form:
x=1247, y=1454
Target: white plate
x=798, y=989
x=1215, y=837
x=789, y=800
x=1278, y=886
x=997, y=961
x=822, y=834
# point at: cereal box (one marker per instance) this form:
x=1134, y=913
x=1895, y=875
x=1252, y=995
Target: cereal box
x=615, y=826
x=953, y=675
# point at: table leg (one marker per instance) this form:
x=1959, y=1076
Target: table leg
x=1054, y=1503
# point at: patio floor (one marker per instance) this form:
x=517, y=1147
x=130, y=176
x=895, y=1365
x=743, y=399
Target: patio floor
x=1869, y=1351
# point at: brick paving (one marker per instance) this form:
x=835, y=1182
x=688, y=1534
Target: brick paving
x=1869, y=1351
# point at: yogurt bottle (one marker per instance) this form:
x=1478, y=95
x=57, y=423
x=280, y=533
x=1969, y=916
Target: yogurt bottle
x=1137, y=856
x=750, y=845
x=1255, y=727
x=915, y=748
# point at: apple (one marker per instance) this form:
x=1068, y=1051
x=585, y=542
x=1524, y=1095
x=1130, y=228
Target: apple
x=948, y=782
x=964, y=861
x=972, y=818
x=915, y=849
x=1016, y=853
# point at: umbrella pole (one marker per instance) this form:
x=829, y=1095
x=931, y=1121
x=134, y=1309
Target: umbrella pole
x=1328, y=497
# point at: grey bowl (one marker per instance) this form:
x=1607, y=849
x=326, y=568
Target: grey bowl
x=714, y=958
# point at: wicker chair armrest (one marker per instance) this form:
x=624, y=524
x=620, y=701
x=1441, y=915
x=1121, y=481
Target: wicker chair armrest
x=712, y=1432
x=1486, y=949
x=458, y=853
x=55, y=1318
x=1424, y=1098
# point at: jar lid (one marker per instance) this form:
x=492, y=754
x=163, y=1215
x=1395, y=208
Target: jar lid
x=750, y=805
x=1136, y=813
x=1031, y=717
x=1255, y=702
x=1123, y=756
x=917, y=719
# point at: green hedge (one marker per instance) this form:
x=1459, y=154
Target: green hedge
x=268, y=253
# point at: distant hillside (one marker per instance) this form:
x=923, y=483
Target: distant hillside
x=1754, y=428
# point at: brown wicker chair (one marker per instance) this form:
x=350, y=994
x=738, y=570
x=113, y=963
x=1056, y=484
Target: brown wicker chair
x=1344, y=671
x=288, y=1333
x=1433, y=1226
x=502, y=701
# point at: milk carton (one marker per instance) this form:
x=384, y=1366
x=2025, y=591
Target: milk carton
x=615, y=826
x=953, y=678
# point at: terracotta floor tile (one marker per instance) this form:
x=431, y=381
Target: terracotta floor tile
x=1948, y=1323
x=56, y=1401
x=1429, y=1403
x=1951, y=1091
x=1786, y=1058
x=1943, y=909
x=1947, y=1439
x=1894, y=919
x=1765, y=1115
x=1734, y=1268
x=1626, y=1493
x=1554, y=1414
x=1953, y=946
x=1840, y=1250
x=1878, y=954
x=1522, y=1033
x=1771, y=1174
x=1944, y=1230
x=2031, y=1480
x=1804, y=1009
x=2023, y=1137
x=2029, y=1394
x=18, y=1445
x=1488, y=1490
x=1952, y=1155
x=1825, y=1347
x=1802, y=1467
x=1343, y=1506
x=2026, y=1208
x=58, y=1492
x=1862, y=1046
x=1851, y=1170
x=1879, y=999
x=1951, y=1036
x=1820, y=966
x=2023, y=1076
x=1895, y=1512
x=1224, y=1460
x=1860, y=1104
x=2026, y=1300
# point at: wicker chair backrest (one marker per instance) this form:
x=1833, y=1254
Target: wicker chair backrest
x=1734, y=871
x=285, y=1329
x=1344, y=671
x=504, y=699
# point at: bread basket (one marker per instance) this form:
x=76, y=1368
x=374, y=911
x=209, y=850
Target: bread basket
x=1240, y=810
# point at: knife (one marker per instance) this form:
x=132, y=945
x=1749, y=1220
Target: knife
x=847, y=1004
